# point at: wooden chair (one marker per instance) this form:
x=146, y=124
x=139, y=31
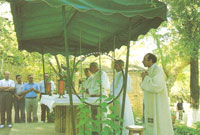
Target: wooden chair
x=135, y=129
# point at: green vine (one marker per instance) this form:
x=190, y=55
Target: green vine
x=110, y=123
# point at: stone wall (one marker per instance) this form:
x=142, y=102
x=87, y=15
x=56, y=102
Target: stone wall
x=136, y=94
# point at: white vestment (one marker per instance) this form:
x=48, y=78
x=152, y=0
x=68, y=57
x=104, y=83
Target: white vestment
x=99, y=79
x=128, y=113
x=157, y=117
x=86, y=83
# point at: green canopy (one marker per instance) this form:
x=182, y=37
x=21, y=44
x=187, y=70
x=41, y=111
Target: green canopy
x=90, y=23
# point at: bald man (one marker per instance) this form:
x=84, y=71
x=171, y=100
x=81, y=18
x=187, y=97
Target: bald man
x=99, y=81
x=7, y=87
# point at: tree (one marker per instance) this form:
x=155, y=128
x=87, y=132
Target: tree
x=186, y=18
x=13, y=60
x=168, y=49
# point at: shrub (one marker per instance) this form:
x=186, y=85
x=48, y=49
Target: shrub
x=184, y=130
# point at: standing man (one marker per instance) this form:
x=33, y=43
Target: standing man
x=180, y=109
x=30, y=91
x=7, y=87
x=99, y=81
x=44, y=108
x=85, y=84
x=157, y=117
x=117, y=86
x=19, y=101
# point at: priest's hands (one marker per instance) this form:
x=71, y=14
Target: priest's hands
x=143, y=74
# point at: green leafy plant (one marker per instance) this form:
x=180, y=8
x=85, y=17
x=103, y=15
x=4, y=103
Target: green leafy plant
x=102, y=125
x=173, y=115
x=184, y=130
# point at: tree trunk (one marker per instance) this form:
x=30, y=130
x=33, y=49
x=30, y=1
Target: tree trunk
x=194, y=82
x=172, y=75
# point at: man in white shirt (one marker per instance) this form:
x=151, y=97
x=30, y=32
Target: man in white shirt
x=117, y=86
x=44, y=108
x=85, y=84
x=157, y=117
x=7, y=87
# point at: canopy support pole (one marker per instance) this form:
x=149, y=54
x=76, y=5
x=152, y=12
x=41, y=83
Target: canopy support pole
x=114, y=39
x=43, y=70
x=126, y=75
x=101, y=126
x=68, y=71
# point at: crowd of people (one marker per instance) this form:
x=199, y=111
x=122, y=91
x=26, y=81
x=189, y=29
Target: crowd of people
x=25, y=98
x=157, y=118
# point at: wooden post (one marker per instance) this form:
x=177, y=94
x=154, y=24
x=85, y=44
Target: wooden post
x=60, y=119
x=69, y=128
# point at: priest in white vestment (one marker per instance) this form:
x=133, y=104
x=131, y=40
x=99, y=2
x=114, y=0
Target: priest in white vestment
x=116, y=86
x=98, y=84
x=99, y=81
x=157, y=117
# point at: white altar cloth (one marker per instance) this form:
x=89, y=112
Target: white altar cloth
x=54, y=100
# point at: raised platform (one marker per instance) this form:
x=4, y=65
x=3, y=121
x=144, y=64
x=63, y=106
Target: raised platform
x=34, y=129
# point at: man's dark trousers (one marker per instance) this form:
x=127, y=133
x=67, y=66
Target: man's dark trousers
x=44, y=111
x=19, y=106
x=6, y=106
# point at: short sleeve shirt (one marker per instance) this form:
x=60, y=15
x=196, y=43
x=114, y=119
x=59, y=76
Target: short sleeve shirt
x=19, y=88
x=27, y=86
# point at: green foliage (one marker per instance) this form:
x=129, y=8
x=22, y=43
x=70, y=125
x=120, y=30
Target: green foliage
x=20, y=62
x=184, y=130
x=137, y=118
x=109, y=123
x=185, y=15
x=177, y=44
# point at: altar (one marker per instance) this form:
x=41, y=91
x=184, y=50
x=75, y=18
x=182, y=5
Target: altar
x=63, y=121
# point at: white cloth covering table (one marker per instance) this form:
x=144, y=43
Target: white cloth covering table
x=62, y=110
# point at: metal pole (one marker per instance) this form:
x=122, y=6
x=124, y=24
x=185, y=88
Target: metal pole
x=68, y=71
x=101, y=126
x=43, y=71
x=126, y=75
x=114, y=77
